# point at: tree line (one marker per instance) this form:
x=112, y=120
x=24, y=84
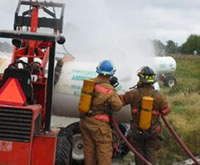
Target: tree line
x=190, y=46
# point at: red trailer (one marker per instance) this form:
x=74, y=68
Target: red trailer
x=26, y=93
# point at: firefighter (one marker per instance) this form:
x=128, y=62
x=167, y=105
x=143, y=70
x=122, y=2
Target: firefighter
x=94, y=125
x=147, y=104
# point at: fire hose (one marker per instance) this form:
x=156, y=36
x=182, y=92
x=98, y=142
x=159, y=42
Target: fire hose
x=184, y=147
x=172, y=131
x=115, y=124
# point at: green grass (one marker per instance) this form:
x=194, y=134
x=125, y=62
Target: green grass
x=185, y=110
x=187, y=72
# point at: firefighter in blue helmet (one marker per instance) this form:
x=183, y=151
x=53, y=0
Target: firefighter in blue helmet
x=147, y=105
x=94, y=125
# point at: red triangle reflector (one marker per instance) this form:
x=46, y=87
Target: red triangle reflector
x=12, y=93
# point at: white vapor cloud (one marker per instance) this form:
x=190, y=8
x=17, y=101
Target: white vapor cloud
x=120, y=30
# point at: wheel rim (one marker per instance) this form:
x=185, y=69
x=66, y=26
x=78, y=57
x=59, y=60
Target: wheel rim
x=171, y=83
x=77, y=148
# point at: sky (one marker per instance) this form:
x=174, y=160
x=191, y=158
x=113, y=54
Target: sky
x=164, y=19
x=120, y=30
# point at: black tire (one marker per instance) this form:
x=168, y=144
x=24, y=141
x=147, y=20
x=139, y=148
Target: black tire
x=63, y=148
x=170, y=81
x=75, y=131
x=124, y=148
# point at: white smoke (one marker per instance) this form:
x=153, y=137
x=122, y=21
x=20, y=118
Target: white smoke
x=114, y=29
x=109, y=29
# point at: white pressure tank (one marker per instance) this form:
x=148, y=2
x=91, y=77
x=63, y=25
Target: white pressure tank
x=164, y=65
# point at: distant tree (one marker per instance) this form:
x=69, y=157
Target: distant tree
x=171, y=47
x=179, y=49
x=159, y=47
x=192, y=43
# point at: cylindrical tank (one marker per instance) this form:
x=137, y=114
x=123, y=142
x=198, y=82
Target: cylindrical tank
x=164, y=65
x=68, y=88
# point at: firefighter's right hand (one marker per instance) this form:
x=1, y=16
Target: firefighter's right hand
x=67, y=58
x=114, y=81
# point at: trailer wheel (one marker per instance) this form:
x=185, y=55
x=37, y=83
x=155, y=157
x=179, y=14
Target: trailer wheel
x=170, y=81
x=64, y=148
x=77, y=156
x=77, y=144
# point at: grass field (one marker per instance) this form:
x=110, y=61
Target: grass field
x=185, y=110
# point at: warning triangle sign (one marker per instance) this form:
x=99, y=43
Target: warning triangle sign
x=11, y=93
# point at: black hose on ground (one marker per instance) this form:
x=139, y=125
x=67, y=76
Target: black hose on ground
x=183, y=146
x=115, y=124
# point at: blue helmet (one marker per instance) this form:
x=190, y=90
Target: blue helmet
x=106, y=68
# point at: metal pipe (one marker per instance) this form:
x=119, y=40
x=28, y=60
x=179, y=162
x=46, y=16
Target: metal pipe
x=115, y=124
x=183, y=146
x=50, y=83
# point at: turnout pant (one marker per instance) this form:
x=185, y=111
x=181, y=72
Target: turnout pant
x=147, y=146
x=97, y=140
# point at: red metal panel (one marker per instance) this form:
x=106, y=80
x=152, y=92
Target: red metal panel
x=36, y=108
x=15, y=153
x=18, y=153
x=44, y=150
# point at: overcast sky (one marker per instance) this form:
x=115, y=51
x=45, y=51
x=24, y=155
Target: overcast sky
x=120, y=30
x=164, y=19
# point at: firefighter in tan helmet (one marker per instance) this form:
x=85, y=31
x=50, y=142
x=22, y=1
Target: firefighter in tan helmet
x=147, y=104
x=94, y=123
